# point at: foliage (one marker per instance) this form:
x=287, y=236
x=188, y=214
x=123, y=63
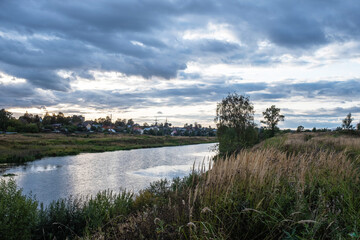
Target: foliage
x=20, y=217
x=230, y=141
x=300, y=129
x=272, y=117
x=235, y=111
x=235, y=122
x=73, y=217
x=104, y=121
x=5, y=117
x=18, y=213
x=269, y=192
x=293, y=186
x=346, y=122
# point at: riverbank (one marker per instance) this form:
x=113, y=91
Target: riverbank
x=20, y=148
x=294, y=186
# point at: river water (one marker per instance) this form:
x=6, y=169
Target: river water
x=88, y=173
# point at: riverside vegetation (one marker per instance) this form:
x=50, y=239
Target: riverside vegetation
x=19, y=148
x=289, y=186
x=292, y=186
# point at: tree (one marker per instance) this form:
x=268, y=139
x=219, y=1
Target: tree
x=272, y=117
x=76, y=119
x=130, y=122
x=5, y=117
x=235, y=111
x=46, y=119
x=347, y=122
x=104, y=121
x=235, y=123
x=60, y=118
x=53, y=119
x=26, y=118
x=120, y=122
x=300, y=129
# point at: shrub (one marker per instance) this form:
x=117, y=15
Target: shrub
x=230, y=141
x=30, y=128
x=74, y=217
x=18, y=213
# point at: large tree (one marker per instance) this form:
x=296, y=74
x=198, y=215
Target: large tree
x=235, y=123
x=5, y=117
x=272, y=117
x=346, y=123
x=235, y=111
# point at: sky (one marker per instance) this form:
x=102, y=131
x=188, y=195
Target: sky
x=177, y=59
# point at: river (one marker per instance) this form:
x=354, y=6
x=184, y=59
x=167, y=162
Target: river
x=86, y=174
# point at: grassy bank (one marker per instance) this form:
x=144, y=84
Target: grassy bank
x=20, y=148
x=294, y=186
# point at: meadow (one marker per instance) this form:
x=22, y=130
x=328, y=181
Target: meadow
x=19, y=148
x=292, y=186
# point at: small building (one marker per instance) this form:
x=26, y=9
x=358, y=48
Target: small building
x=138, y=130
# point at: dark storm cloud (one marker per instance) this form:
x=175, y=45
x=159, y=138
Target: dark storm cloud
x=115, y=99
x=210, y=93
x=341, y=90
x=191, y=95
x=142, y=37
x=30, y=97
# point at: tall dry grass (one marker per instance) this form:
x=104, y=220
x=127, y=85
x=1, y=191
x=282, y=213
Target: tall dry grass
x=260, y=194
x=295, y=186
x=273, y=192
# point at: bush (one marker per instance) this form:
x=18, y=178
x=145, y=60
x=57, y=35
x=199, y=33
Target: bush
x=18, y=213
x=74, y=217
x=10, y=129
x=30, y=128
x=230, y=141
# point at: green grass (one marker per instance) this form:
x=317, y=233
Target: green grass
x=21, y=148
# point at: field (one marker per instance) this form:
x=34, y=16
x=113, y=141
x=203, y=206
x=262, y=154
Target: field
x=294, y=186
x=20, y=148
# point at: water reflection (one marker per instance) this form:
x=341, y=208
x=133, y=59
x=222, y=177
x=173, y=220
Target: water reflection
x=36, y=168
x=84, y=174
x=164, y=171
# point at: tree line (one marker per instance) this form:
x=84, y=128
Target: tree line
x=29, y=123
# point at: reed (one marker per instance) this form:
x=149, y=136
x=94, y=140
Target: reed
x=268, y=194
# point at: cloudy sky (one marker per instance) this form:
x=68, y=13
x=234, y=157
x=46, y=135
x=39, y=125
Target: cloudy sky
x=177, y=59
